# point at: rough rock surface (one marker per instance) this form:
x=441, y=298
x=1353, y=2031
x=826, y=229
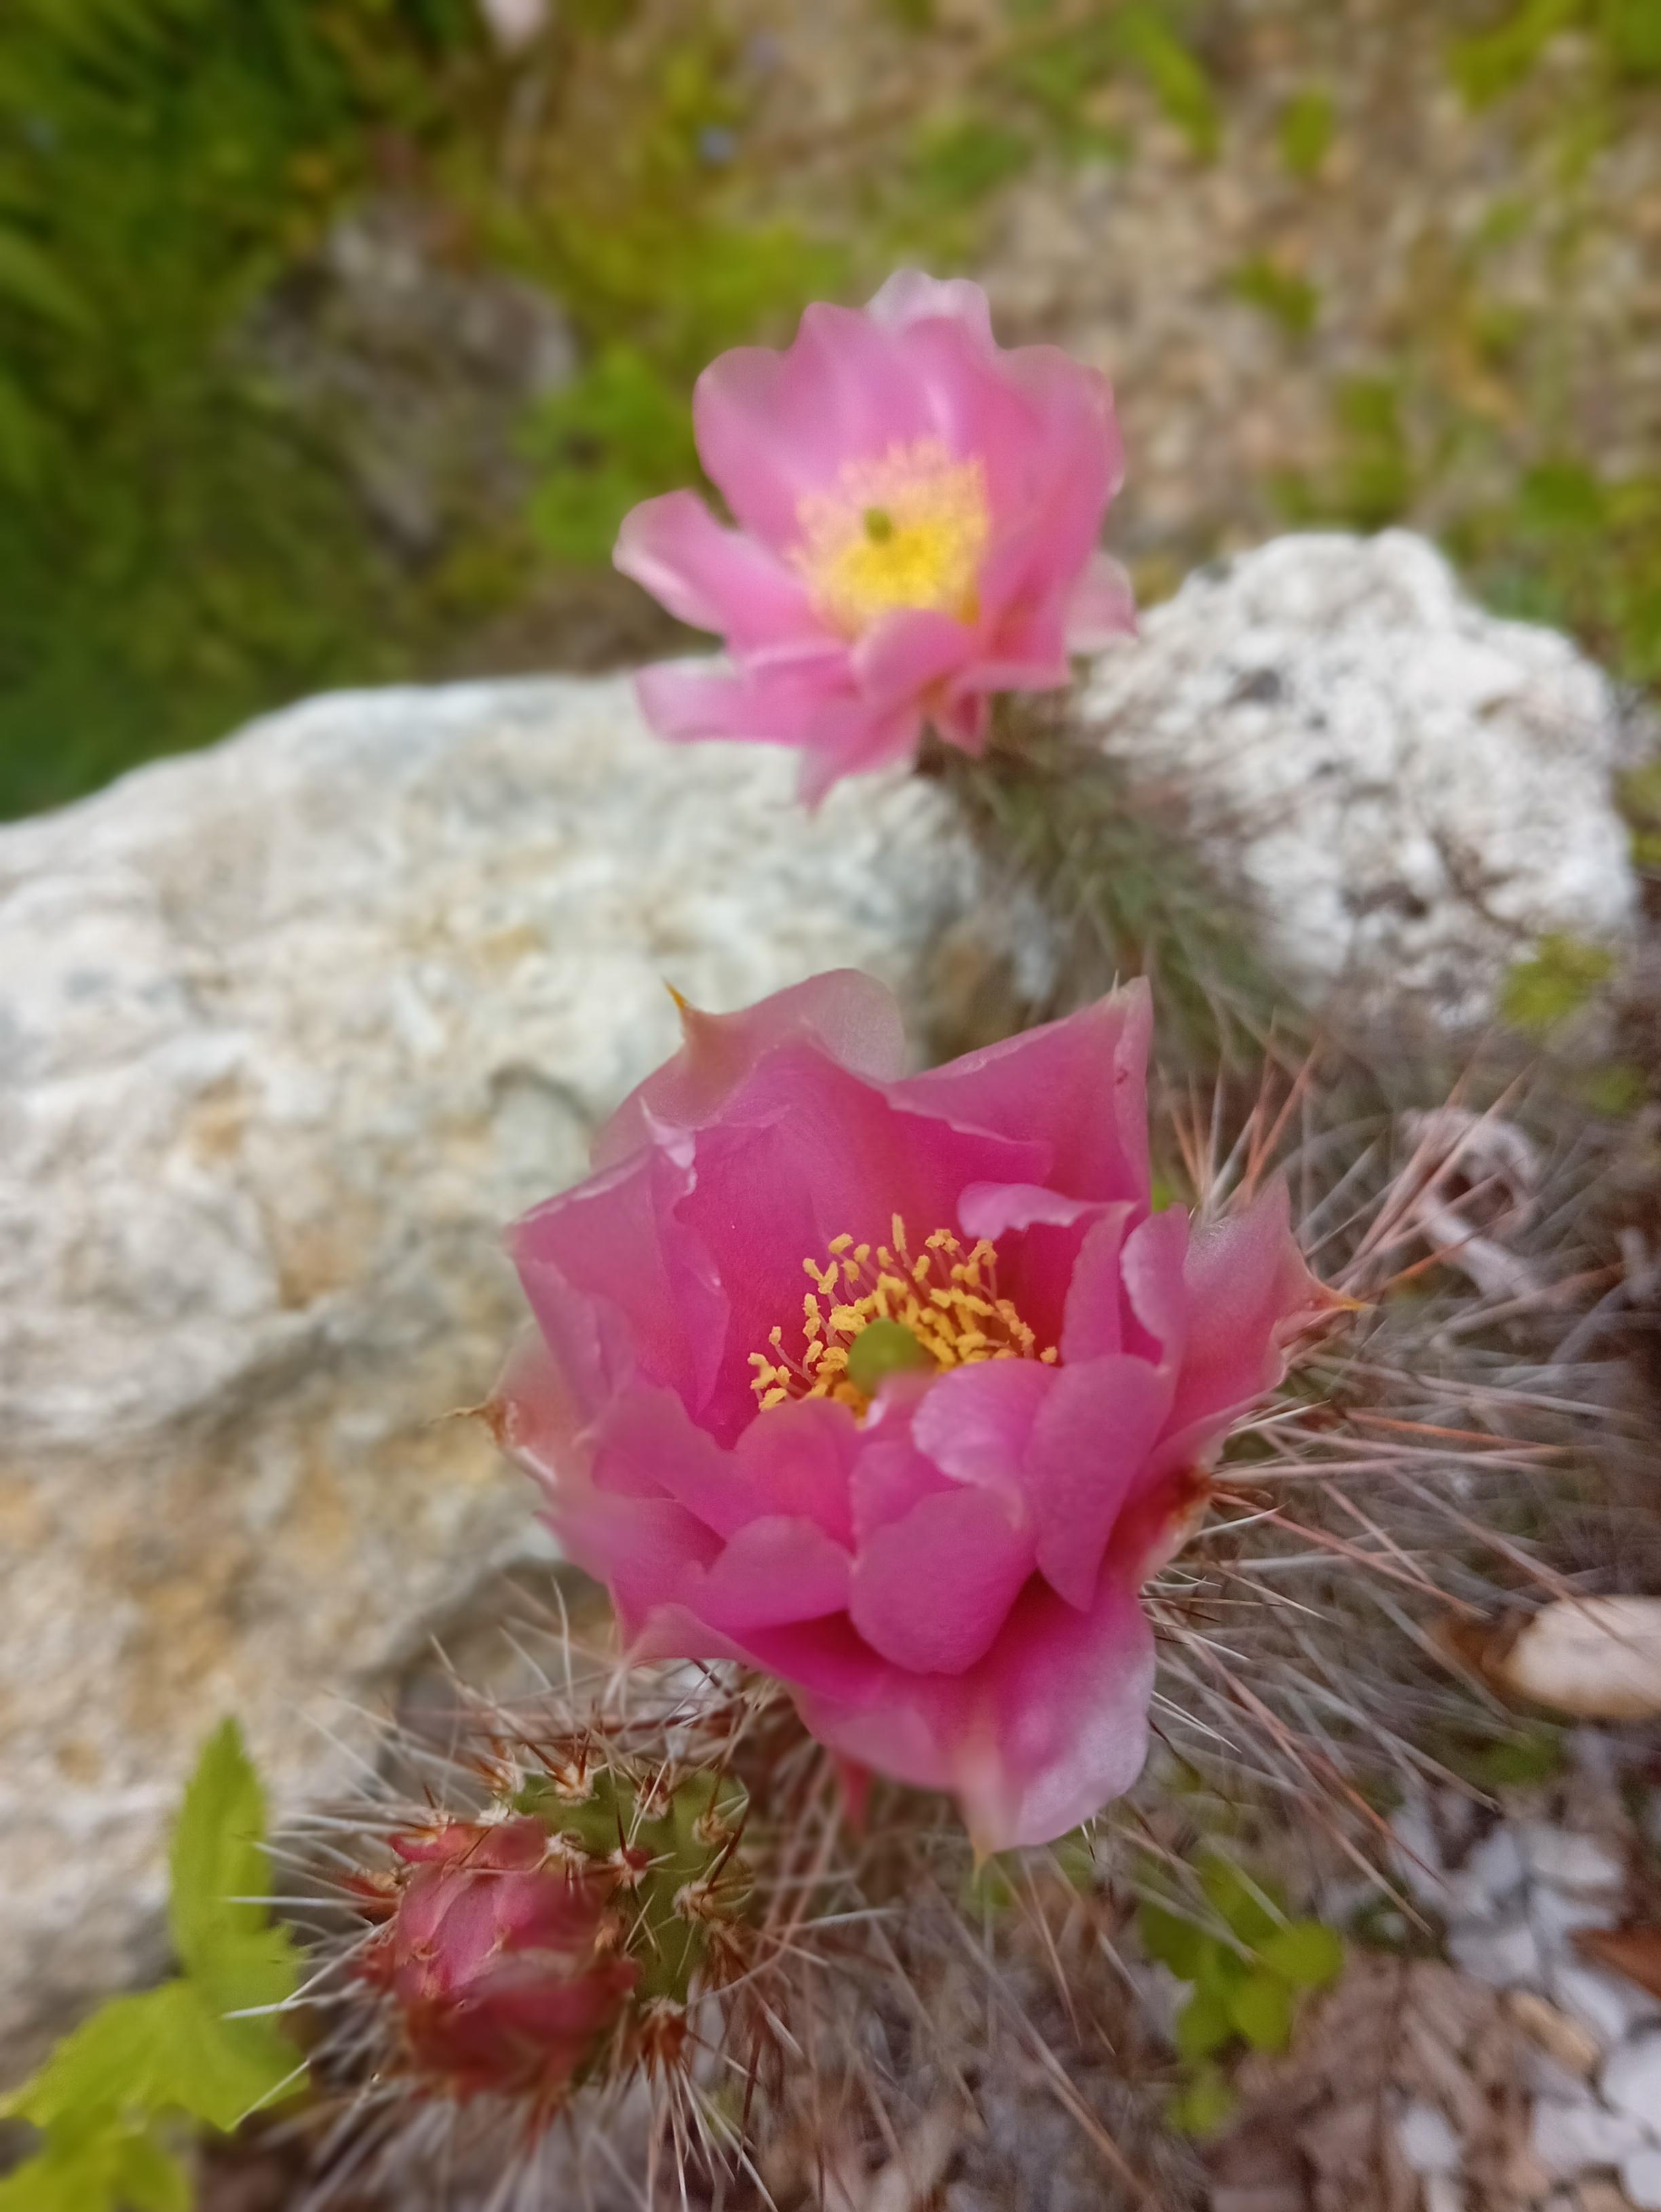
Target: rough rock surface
x=287, y=1031
x=1408, y=791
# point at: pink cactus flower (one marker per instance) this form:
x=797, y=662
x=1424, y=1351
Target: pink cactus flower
x=898, y=1388
x=918, y=513
x=492, y=1953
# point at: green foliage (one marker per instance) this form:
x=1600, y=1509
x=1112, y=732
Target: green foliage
x=1178, y=83
x=1283, y=294
x=1371, y=480
x=1560, y=978
x=110, y=2099
x=1306, y=131
x=620, y=433
x=1626, y=34
x=1245, y=1981
x=173, y=553
x=960, y=161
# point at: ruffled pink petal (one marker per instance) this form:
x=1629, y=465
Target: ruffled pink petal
x=850, y=1016
x=909, y=297
x=1047, y=1728
x=1101, y=606
x=608, y=1258
x=1089, y=1445
x=904, y=656
x=993, y=1209
x=1247, y=1289
x=768, y=702
x=772, y=427
x=800, y=1459
x=1079, y=1085
x=532, y=1412
x=777, y=1570
x=853, y=740
x=889, y=1478
x=648, y=1446
x=1094, y=1317
x=711, y=578
x=931, y=1592
x=645, y=1550
x=974, y=1423
x=1154, y=1270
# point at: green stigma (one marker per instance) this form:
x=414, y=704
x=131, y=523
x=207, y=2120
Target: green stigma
x=883, y=1348
x=879, y=525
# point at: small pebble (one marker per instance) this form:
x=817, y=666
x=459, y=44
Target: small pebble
x=1570, y=2139
x=1640, y=2179
x=1427, y=2140
x=1569, y=1860
x=1444, y=2192
x=1501, y=1956
x=1607, y=2004
x=1567, y=2042
x=1631, y=2081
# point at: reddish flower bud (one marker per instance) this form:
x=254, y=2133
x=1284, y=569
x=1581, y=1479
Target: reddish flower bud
x=496, y=1957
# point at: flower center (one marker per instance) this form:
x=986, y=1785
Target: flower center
x=906, y=531
x=873, y=1314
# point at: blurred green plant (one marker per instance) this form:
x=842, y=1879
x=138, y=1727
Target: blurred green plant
x=1307, y=128
x=174, y=554
x=115, y=2100
x=1285, y=295
x=1246, y=1975
x=1560, y=977
x=1625, y=35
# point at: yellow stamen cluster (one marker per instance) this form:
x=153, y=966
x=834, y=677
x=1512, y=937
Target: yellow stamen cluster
x=907, y=531
x=946, y=1298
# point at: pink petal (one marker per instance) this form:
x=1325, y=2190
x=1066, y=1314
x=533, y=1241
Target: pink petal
x=964, y=719
x=904, y=656
x=1067, y=1696
x=610, y=1257
x=1247, y=1288
x=1101, y=606
x=648, y=1446
x=931, y=1592
x=853, y=740
x=801, y=1459
x=643, y=1549
x=1154, y=1268
x=1079, y=1085
x=772, y=427
x=850, y=1016
x=714, y=579
x=889, y=1478
x=773, y=703
x=1037, y=1736
x=1094, y=1317
x=778, y=1570
x=909, y=297
x=974, y=1422
x=1089, y=1447
x=993, y=1209
x=532, y=1412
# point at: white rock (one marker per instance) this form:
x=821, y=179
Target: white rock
x=287, y=1031
x=1572, y=2137
x=1444, y=2193
x=1640, y=2179
x=1489, y=1879
x=1427, y=2140
x=1506, y=1956
x=1555, y=1914
x=1411, y=792
x=1569, y=1860
x=1608, y=2004
x=1631, y=2080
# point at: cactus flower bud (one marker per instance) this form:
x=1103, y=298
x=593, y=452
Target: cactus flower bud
x=496, y=1954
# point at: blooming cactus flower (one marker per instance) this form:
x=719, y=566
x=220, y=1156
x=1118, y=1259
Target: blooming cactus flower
x=493, y=1955
x=898, y=1387
x=918, y=513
